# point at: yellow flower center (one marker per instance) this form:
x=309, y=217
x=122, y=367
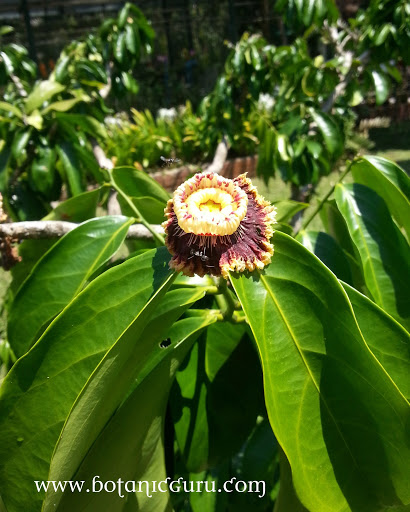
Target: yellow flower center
x=209, y=204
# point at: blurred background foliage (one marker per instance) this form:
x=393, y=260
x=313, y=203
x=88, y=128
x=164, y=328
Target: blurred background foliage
x=291, y=88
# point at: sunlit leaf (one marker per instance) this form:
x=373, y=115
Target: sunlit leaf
x=59, y=276
x=330, y=403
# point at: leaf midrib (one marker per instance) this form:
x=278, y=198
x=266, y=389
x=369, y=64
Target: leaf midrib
x=294, y=338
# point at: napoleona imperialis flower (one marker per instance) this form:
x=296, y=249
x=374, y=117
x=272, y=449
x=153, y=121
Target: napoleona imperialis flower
x=215, y=225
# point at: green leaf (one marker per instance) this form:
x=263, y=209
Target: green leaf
x=43, y=173
x=314, y=148
x=76, y=209
x=213, y=406
x=119, y=48
x=44, y=91
x=5, y=156
x=390, y=182
x=8, y=107
x=123, y=15
x=87, y=123
x=35, y=120
x=384, y=252
x=131, y=444
x=329, y=251
x=257, y=461
x=330, y=132
x=150, y=209
x=287, y=208
x=381, y=86
x=44, y=384
x=61, y=69
x=62, y=106
x=59, y=276
x=287, y=499
x=336, y=413
x=6, y=29
x=20, y=142
x=132, y=39
x=386, y=338
x=138, y=184
x=129, y=82
x=71, y=167
x=142, y=191
x=336, y=227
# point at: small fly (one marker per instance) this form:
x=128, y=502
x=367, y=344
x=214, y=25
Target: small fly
x=169, y=161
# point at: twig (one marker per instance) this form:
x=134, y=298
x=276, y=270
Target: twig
x=309, y=219
x=19, y=86
x=43, y=229
x=103, y=161
x=221, y=154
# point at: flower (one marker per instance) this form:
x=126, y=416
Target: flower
x=215, y=225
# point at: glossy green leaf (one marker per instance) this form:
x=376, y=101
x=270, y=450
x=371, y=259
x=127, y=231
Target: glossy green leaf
x=59, y=276
x=35, y=119
x=142, y=191
x=131, y=445
x=329, y=251
x=30, y=251
x=132, y=41
x=336, y=413
x=287, y=499
x=44, y=91
x=209, y=501
x=149, y=208
x=119, y=48
x=386, y=338
x=390, y=182
x=76, y=209
x=62, y=106
x=60, y=71
x=214, y=407
x=136, y=183
x=330, y=132
x=135, y=352
x=8, y=107
x=381, y=86
x=20, y=142
x=71, y=167
x=335, y=226
x=44, y=384
x=384, y=252
x=87, y=123
x=129, y=82
x=286, y=209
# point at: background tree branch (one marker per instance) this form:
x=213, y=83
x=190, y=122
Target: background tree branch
x=57, y=228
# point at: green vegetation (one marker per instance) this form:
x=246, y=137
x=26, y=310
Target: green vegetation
x=115, y=366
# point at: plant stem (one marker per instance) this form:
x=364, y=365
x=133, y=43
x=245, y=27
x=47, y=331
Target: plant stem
x=225, y=300
x=323, y=200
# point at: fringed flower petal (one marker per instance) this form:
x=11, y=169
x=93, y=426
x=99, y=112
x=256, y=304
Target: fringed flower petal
x=216, y=225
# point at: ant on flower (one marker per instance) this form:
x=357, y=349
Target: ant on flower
x=200, y=254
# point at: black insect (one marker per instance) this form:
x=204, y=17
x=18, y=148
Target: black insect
x=169, y=161
x=200, y=254
x=165, y=343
